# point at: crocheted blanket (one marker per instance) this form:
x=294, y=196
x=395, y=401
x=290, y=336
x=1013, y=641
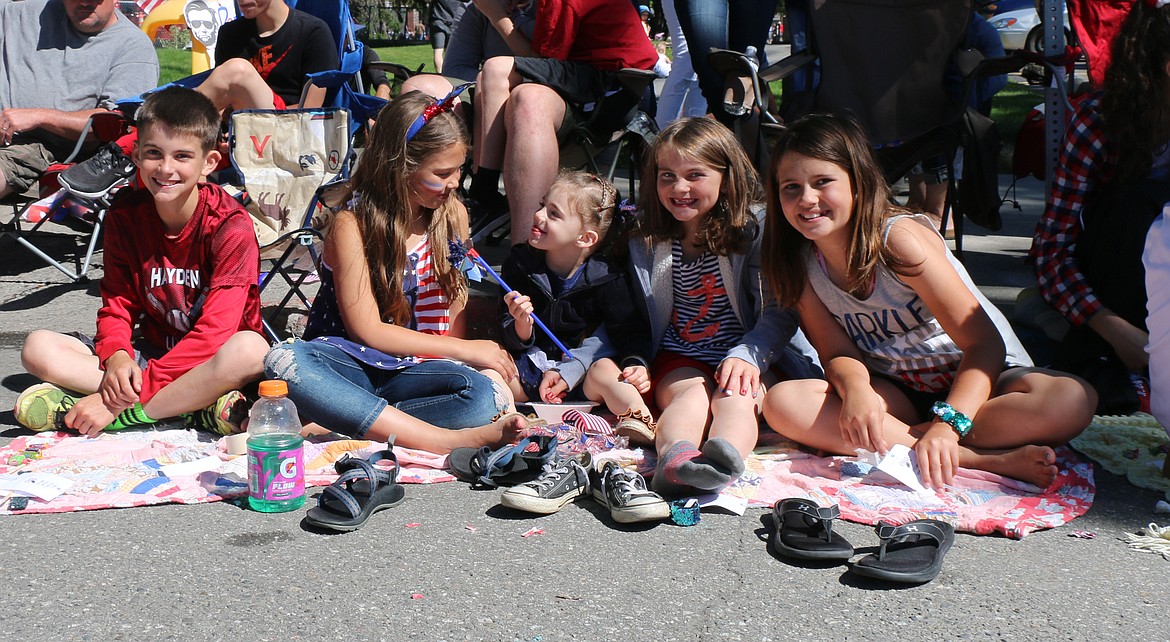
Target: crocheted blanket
x=1131, y=445
x=141, y=468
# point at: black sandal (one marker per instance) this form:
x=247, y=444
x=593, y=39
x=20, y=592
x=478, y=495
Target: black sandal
x=911, y=553
x=360, y=491
x=804, y=531
x=506, y=466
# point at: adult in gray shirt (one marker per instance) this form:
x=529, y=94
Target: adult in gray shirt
x=475, y=40
x=63, y=61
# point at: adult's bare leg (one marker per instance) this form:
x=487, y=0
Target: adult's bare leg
x=532, y=156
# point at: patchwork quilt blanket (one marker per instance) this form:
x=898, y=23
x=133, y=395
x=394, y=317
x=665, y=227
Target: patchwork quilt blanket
x=140, y=468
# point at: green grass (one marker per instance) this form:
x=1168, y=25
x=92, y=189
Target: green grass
x=175, y=64
x=410, y=55
x=1009, y=107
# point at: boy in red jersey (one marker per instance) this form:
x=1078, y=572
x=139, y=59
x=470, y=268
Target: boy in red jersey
x=179, y=328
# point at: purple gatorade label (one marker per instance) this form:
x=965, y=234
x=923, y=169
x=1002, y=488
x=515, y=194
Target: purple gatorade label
x=275, y=475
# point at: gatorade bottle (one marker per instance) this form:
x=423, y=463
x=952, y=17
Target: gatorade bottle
x=276, y=466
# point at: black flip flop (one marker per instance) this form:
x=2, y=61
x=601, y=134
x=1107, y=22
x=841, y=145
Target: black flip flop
x=360, y=491
x=804, y=531
x=911, y=553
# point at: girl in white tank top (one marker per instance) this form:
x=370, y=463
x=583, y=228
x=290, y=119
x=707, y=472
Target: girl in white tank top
x=913, y=353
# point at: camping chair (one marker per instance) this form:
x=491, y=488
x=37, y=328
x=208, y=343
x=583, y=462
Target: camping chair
x=103, y=127
x=614, y=128
x=287, y=159
x=899, y=95
x=344, y=86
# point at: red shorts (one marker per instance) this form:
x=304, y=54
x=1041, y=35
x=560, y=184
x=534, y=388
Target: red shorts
x=666, y=362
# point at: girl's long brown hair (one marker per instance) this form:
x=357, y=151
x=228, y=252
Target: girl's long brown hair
x=838, y=140
x=383, y=205
x=730, y=227
x=1136, y=101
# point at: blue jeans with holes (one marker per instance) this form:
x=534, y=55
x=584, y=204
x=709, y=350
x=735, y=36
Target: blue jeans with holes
x=344, y=395
x=724, y=24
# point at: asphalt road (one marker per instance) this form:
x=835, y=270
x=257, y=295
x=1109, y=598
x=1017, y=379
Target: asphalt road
x=220, y=572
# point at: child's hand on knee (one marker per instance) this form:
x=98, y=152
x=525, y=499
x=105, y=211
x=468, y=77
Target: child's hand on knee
x=89, y=415
x=121, y=382
x=862, y=421
x=638, y=377
x=738, y=376
x=553, y=387
x=482, y=353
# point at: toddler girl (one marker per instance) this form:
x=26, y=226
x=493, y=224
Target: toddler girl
x=574, y=289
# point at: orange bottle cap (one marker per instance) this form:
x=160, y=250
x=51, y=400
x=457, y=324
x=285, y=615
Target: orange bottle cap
x=273, y=388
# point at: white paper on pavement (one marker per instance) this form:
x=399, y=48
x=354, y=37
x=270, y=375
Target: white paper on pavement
x=726, y=501
x=44, y=486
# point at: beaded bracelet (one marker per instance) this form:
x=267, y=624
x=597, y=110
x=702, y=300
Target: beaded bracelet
x=684, y=512
x=955, y=419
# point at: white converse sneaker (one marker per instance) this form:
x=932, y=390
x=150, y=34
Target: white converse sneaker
x=625, y=494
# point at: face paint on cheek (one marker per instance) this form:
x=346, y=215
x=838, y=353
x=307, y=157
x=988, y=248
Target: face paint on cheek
x=434, y=188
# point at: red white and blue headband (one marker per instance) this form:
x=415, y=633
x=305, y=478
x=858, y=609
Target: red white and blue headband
x=1157, y=4
x=434, y=109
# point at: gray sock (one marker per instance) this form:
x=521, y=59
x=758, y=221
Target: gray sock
x=683, y=467
x=723, y=456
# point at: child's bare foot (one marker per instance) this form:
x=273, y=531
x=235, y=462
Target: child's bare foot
x=1033, y=464
x=504, y=430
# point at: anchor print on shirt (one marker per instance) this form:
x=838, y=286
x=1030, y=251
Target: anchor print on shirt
x=709, y=289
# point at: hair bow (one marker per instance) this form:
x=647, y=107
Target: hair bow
x=434, y=109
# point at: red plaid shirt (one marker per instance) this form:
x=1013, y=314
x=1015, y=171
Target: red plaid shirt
x=1087, y=162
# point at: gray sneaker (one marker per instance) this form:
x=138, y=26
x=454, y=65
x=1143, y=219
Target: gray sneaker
x=625, y=494
x=95, y=177
x=560, y=482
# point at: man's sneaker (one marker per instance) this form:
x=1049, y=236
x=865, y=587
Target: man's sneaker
x=625, y=494
x=42, y=407
x=222, y=417
x=95, y=177
x=561, y=481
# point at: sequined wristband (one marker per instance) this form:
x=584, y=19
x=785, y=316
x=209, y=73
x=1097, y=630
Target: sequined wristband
x=958, y=421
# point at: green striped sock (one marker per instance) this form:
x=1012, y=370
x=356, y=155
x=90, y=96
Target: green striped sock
x=131, y=417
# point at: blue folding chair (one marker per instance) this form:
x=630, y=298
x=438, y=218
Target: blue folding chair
x=343, y=86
